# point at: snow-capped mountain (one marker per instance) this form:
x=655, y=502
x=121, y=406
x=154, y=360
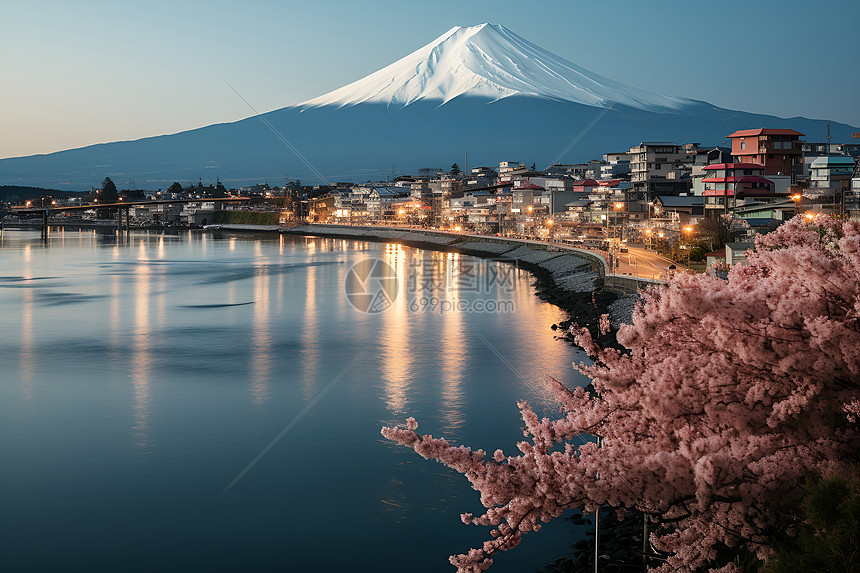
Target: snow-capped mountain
x=492, y=62
x=480, y=90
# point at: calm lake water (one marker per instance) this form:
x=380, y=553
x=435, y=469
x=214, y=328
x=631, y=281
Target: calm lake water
x=139, y=377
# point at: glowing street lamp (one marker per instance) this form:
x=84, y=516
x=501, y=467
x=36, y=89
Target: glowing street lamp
x=618, y=207
x=798, y=202
x=530, y=221
x=688, y=229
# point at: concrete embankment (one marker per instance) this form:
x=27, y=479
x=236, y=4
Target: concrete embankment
x=572, y=279
x=568, y=269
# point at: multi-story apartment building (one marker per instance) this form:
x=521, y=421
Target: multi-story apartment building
x=380, y=200
x=526, y=198
x=778, y=150
x=481, y=177
x=420, y=189
x=507, y=168
x=593, y=169
x=703, y=158
x=830, y=182
x=728, y=185
x=831, y=172
x=651, y=164
x=615, y=169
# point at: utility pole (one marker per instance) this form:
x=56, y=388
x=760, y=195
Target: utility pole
x=597, y=519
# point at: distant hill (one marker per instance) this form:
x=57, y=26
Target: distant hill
x=480, y=90
x=16, y=193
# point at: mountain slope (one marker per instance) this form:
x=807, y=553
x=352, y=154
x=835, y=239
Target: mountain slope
x=488, y=61
x=480, y=90
x=370, y=141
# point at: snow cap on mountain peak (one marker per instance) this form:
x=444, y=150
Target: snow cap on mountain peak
x=489, y=61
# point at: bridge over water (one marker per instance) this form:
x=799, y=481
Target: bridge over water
x=122, y=208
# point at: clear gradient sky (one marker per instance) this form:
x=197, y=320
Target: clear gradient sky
x=78, y=73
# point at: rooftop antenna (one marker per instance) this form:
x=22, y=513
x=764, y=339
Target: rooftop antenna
x=466, y=170
x=828, y=136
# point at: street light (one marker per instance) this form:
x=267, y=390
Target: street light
x=530, y=220
x=798, y=200
x=619, y=206
x=549, y=223
x=688, y=229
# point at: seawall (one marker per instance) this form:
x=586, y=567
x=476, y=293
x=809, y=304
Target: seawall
x=560, y=266
x=570, y=269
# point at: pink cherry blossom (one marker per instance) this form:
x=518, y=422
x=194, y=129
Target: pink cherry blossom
x=729, y=394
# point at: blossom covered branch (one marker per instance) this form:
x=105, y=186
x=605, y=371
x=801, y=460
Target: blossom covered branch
x=730, y=393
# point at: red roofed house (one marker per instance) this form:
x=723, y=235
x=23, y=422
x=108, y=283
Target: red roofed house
x=778, y=150
x=725, y=183
x=585, y=185
x=528, y=185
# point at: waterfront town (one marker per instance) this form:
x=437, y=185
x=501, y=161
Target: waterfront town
x=688, y=202
x=553, y=287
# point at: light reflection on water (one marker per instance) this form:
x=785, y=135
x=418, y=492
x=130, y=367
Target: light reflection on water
x=141, y=374
x=141, y=354
x=261, y=341
x=27, y=355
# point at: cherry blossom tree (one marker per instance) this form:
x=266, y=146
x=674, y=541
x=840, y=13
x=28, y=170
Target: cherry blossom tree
x=728, y=395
